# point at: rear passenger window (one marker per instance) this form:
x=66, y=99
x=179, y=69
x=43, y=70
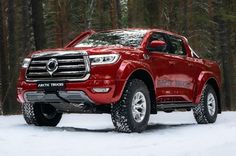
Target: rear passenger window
x=176, y=45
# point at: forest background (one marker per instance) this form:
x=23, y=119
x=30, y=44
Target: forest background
x=28, y=25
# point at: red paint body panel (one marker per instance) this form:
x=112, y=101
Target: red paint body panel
x=175, y=78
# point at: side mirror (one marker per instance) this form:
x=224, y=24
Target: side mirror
x=157, y=44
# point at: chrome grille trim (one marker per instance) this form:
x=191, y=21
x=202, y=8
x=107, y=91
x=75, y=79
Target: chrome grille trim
x=73, y=66
x=37, y=68
x=39, y=62
x=70, y=60
x=60, y=53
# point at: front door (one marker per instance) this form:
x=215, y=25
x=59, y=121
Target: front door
x=161, y=68
x=182, y=71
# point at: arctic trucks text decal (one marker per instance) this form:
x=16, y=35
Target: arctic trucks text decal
x=174, y=83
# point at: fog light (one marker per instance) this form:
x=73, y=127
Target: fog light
x=101, y=90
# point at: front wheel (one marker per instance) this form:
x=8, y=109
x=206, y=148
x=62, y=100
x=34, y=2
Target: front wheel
x=40, y=114
x=131, y=113
x=206, y=112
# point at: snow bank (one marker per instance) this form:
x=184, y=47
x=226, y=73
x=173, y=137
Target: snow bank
x=88, y=135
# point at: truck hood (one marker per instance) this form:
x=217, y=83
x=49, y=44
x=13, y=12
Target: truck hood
x=91, y=50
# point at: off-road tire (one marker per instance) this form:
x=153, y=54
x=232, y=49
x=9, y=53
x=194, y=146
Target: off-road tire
x=33, y=114
x=201, y=112
x=121, y=112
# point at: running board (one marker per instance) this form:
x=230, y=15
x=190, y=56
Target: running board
x=171, y=106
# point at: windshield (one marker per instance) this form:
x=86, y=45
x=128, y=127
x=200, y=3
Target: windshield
x=114, y=38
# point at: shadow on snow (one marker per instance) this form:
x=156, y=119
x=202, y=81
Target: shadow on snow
x=150, y=128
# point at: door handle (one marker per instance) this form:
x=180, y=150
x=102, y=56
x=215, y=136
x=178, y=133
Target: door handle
x=190, y=64
x=172, y=63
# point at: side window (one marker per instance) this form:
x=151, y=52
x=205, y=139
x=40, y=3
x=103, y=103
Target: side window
x=176, y=45
x=157, y=37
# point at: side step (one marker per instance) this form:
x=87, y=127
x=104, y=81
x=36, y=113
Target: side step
x=168, y=107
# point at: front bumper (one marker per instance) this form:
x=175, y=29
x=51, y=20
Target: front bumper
x=57, y=97
x=74, y=92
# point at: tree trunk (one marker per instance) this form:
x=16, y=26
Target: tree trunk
x=26, y=25
x=136, y=13
x=113, y=14
x=101, y=19
x=185, y=17
x=227, y=64
x=3, y=62
x=38, y=24
x=118, y=12
x=11, y=36
x=89, y=13
x=153, y=12
x=62, y=22
x=13, y=58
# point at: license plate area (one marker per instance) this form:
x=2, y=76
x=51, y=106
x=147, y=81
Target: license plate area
x=51, y=86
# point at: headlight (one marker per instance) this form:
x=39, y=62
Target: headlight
x=103, y=59
x=26, y=63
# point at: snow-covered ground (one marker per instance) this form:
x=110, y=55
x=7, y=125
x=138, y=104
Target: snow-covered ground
x=91, y=135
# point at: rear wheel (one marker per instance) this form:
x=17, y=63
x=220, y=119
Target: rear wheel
x=206, y=112
x=40, y=114
x=131, y=113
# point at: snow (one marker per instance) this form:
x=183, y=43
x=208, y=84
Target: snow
x=93, y=135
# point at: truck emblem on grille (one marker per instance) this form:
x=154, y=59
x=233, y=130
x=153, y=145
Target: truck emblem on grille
x=52, y=66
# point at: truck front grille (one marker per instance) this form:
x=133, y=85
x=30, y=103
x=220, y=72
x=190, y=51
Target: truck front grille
x=70, y=66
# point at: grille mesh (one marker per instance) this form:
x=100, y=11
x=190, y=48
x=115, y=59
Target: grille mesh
x=70, y=66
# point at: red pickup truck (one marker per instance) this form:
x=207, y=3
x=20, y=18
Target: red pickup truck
x=129, y=73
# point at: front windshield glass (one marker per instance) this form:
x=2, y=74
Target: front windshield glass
x=114, y=38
